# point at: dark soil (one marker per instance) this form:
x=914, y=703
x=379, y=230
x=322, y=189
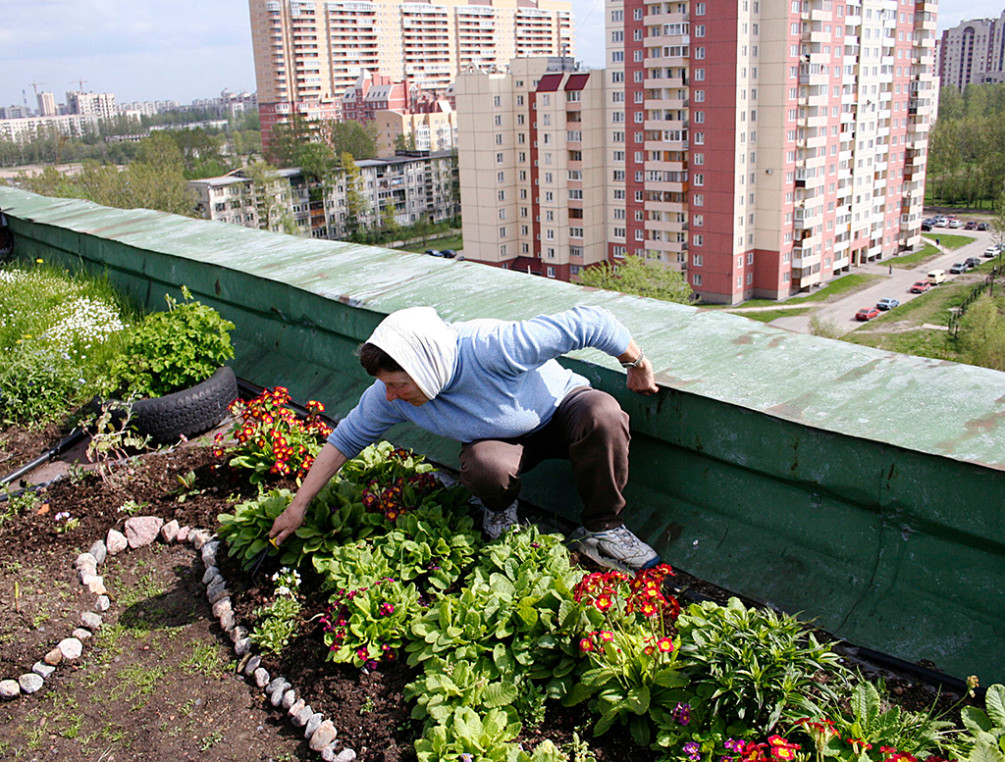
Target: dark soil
x=159, y=681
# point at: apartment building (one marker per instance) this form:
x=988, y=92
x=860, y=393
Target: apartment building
x=762, y=147
x=101, y=105
x=973, y=52
x=412, y=187
x=23, y=129
x=532, y=166
x=309, y=52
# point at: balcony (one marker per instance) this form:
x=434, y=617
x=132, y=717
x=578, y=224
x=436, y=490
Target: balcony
x=822, y=476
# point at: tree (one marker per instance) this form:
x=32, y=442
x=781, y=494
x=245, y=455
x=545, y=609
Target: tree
x=357, y=209
x=272, y=214
x=353, y=138
x=637, y=275
x=982, y=334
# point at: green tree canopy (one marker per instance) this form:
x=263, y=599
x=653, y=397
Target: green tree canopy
x=637, y=275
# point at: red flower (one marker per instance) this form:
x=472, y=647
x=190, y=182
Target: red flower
x=585, y=645
x=665, y=645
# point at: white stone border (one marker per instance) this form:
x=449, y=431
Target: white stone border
x=140, y=531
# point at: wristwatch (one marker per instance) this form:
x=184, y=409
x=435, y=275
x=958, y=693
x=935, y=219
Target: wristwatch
x=636, y=362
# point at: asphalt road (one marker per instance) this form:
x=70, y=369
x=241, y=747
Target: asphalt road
x=841, y=312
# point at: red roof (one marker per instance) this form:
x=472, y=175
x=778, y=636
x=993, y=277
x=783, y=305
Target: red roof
x=549, y=83
x=576, y=81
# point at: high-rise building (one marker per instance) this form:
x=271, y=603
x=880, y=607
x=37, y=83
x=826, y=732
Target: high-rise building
x=308, y=52
x=46, y=104
x=761, y=146
x=973, y=52
x=101, y=105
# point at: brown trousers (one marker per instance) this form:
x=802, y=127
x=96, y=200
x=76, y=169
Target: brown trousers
x=589, y=429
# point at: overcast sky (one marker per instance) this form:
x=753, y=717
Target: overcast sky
x=187, y=49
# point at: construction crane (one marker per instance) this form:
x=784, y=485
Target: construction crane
x=81, y=82
x=36, y=85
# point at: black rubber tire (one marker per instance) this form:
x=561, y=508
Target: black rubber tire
x=188, y=412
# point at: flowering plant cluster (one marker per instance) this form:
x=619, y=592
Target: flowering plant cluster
x=270, y=439
x=405, y=493
x=369, y=625
x=280, y=618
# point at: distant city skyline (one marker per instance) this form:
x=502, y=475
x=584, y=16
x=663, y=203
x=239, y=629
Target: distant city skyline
x=187, y=50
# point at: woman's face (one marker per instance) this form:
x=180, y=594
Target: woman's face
x=400, y=386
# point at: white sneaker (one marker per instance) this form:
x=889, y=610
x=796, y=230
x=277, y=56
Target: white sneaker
x=616, y=548
x=497, y=523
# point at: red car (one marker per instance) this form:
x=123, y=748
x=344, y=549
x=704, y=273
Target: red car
x=867, y=313
x=920, y=287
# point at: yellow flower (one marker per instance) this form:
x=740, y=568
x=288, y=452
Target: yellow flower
x=39, y=261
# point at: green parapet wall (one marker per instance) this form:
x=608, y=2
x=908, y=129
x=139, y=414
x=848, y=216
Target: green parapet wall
x=864, y=489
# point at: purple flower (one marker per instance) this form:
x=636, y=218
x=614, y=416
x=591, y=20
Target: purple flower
x=725, y=758
x=466, y=758
x=371, y=664
x=692, y=750
x=731, y=744
x=682, y=713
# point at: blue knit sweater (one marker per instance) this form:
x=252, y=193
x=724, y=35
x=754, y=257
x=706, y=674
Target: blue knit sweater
x=506, y=382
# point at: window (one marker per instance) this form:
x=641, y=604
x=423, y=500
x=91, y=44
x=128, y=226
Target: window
x=500, y=158
x=699, y=179
x=699, y=9
x=697, y=239
x=698, y=199
x=697, y=260
x=497, y=101
x=576, y=232
x=696, y=279
x=699, y=75
x=502, y=232
x=699, y=30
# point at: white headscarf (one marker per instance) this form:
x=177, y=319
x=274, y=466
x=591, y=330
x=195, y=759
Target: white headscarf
x=422, y=344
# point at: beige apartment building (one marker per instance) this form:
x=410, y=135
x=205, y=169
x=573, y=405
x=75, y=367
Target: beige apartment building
x=531, y=166
x=308, y=52
x=762, y=147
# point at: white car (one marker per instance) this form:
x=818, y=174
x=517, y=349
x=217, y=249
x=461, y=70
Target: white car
x=954, y=224
x=991, y=251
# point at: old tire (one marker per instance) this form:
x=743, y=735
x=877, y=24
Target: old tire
x=188, y=412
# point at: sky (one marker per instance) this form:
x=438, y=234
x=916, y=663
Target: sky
x=187, y=49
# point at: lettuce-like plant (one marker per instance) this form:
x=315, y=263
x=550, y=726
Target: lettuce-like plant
x=369, y=625
x=469, y=736
x=984, y=735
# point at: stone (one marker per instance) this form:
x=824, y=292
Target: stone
x=323, y=736
x=227, y=621
x=54, y=657
x=209, y=552
x=85, y=559
x=278, y=693
x=81, y=634
x=99, y=551
x=221, y=606
x=116, y=542
x=254, y=663
x=102, y=603
x=86, y=571
x=95, y=584
x=295, y=708
x=169, y=532
x=42, y=669
x=313, y=724
x=301, y=717
x=238, y=633
x=30, y=682
x=142, y=530
x=210, y=574
x=346, y=755
x=328, y=753
x=9, y=689
x=242, y=647
x=199, y=537
x=215, y=588
x=261, y=677
x=289, y=698
x=91, y=620
x=183, y=533
x=276, y=682
x=71, y=648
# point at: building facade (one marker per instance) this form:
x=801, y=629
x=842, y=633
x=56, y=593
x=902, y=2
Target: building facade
x=101, y=105
x=973, y=52
x=405, y=188
x=309, y=52
x=762, y=147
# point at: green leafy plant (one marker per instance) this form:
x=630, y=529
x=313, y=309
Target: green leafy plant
x=131, y=507
x=269, y=438
x=983, y=739
x=171, y=350
x=112, y=440
x=368, y=625
x=469, y=736
x=756, y=665
x=246, y=530
x=632, y=654
x=279, y=620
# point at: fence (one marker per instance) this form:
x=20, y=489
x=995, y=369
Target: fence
x=987, y=283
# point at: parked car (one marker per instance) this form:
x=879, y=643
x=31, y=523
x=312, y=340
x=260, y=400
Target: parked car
x=983, y=226
x=940, y=222
x=920, y=287
x=971, y=225
x=935, y=277
x=887, y=303
x=959, y=267
x=954, y=224
x=990, y=251
x=867, y=313
x=448, y=253
x=434, y=253
x=926, y=226
x=972, y=262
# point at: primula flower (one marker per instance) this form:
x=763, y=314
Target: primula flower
x=603, y=603
x=682, y=714
x=666, y=646
x=693, y=751
x=585, y=645
x=606, y=635
x=386, y=609
x=782, y=749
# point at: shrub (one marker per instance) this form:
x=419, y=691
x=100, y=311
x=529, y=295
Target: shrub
x=172, y=350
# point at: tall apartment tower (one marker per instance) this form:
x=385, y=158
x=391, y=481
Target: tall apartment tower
x=101, y=105
x=532, y=168
x=973, y=52
x=308, y=52
x=769, y=144
x=46, y=104
x=761, y=146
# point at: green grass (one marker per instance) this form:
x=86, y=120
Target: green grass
x=766, y=316
x=949, y=240
x=907, y=261
x=454, y=242
x=843, y=285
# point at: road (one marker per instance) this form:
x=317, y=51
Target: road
x=840, y=313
